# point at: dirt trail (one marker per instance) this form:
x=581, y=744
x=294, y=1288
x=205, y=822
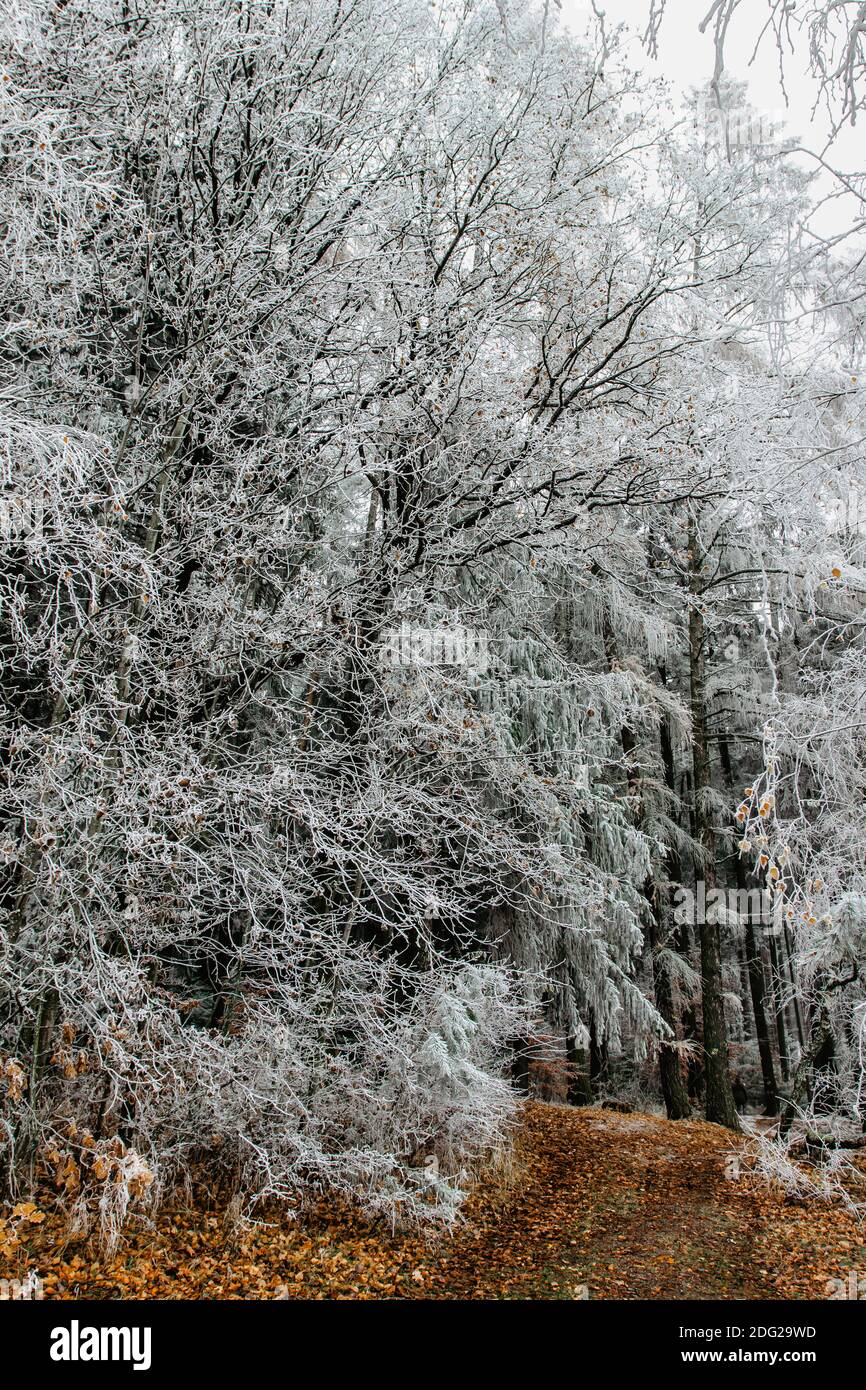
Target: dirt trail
x=625, y=1206
x=595, y=1204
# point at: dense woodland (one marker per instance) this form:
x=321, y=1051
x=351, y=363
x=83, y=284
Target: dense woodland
x=432, y=599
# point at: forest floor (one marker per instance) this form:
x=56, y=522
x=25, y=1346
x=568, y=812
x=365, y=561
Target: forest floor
x=593, y=1203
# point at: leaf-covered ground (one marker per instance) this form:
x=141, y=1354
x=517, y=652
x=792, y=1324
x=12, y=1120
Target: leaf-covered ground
x=594, y=1203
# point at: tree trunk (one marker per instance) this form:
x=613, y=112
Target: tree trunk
x=755, y=970
x=720, y=1107
x=579, y=1083
x=694, y=1069
x=757, y=986
x=675, y=1095
x=820, y=1053
x=598, y=1058
x=674, y=1092
x=519, y=1048
x=788, y=955
x=779, y=1012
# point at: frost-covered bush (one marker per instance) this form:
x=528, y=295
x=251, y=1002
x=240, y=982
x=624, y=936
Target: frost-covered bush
x=350, y=1086
x=779, y=1163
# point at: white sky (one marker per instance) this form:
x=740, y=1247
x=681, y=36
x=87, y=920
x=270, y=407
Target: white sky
x=686, y=58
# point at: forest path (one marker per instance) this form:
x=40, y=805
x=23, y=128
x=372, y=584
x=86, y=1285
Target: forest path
x=592, y=1204
x=618, y=1206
